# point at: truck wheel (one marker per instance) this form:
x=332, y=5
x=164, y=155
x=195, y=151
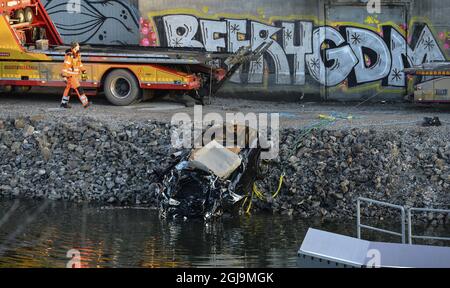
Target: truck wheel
x=121, y=88
x=7, y=88
x=20, y=16
x=29, y=15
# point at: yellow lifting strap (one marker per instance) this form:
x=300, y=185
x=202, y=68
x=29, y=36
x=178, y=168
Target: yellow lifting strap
x=327, y=117
x=279, y=185
x=249, y=205
x=332, y=118
x=256, y=192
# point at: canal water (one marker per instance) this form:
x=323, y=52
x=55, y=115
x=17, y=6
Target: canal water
x=40, y=233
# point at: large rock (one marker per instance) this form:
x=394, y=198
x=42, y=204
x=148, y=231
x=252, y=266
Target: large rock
x=19, y=123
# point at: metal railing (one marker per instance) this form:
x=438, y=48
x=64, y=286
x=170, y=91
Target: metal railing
x=370, y=201
x=402, y=209
x=411, y=236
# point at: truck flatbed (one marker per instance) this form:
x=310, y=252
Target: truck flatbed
x=430, y=69
x=136, y=54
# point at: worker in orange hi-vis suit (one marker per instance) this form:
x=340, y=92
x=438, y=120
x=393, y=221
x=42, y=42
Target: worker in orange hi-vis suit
x=71, y=71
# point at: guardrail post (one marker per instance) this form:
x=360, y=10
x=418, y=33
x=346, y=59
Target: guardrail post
x=403, y=226
x=358, y=218
x=410, y=236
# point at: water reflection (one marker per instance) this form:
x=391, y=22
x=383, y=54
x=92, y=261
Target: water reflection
x=138, y=238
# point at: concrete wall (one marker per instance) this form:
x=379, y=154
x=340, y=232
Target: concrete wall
x=109, y=22
x=322, y=49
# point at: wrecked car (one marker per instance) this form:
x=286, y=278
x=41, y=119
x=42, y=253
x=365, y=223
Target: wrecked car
x=208, y=181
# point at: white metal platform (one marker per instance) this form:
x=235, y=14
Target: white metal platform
x=322, y=249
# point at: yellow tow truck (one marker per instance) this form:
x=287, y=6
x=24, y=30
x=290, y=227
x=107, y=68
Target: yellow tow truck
x=32, y=54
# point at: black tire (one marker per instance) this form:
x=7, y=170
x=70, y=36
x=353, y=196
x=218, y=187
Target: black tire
x=7, y=89
x=29, y=14
x=121, y=87
x=20, y=16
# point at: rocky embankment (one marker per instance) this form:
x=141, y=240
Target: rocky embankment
x=83, y=159
x=80, y=159
x=329, y=170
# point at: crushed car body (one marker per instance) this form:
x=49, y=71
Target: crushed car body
x=208, y=181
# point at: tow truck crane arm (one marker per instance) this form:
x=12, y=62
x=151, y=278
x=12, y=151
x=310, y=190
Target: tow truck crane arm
x=242, y=56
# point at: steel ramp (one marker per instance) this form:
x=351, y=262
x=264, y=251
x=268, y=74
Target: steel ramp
x=322, y=249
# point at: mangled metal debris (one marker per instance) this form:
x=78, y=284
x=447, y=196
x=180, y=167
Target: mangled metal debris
x=431, y=121
x=206, y=182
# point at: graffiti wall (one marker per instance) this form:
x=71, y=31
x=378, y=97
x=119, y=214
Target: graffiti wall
x=106, y=22
x=330, y=55
x=339, y=48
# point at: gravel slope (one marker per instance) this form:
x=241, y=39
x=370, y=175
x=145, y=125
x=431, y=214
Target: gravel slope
x=82, y=158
